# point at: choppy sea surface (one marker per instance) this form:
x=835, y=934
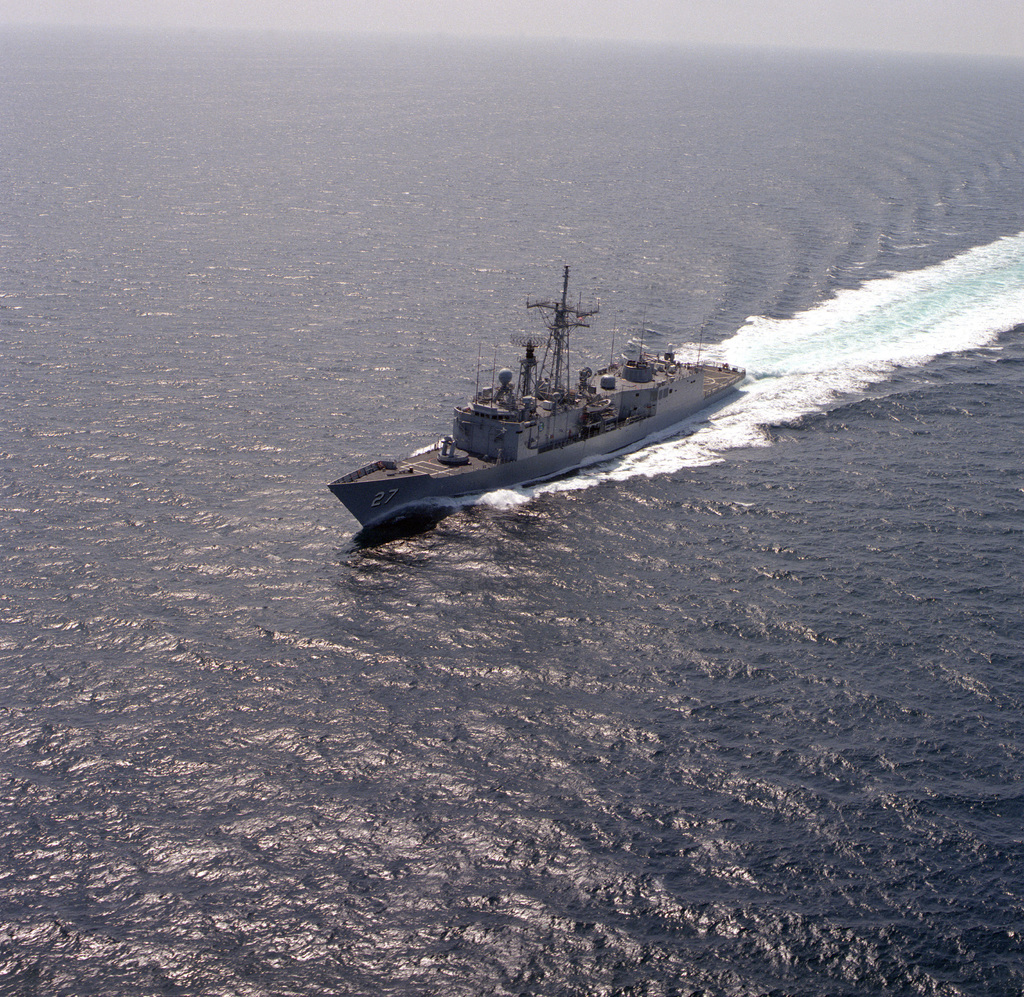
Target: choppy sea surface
x=741, y=713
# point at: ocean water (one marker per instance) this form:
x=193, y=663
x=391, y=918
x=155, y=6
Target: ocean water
x=739, y=713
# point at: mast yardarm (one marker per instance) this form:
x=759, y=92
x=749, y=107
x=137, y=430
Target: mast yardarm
x=560, y=318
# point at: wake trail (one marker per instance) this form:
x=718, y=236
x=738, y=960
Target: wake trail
x=801, y=365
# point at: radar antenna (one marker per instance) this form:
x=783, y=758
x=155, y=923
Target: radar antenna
x=560, y=318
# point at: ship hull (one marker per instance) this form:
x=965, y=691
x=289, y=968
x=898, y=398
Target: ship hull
x=390, y=492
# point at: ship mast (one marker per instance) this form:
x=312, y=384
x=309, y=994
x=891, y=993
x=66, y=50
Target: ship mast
x=560, y=318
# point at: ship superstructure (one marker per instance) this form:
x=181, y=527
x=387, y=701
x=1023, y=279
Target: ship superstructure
x=540, y=424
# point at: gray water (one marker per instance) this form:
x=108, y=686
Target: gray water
x=738, y=714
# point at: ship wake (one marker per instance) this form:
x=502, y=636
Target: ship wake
x=827, y=356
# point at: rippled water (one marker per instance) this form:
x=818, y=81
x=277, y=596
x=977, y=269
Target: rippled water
x=737, y=714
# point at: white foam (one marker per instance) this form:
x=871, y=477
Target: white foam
x=905, y=319
x=505, y=498
x=802, y=364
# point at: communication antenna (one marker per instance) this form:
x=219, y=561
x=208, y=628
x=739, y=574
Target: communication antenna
x=700, y=344
x=561, y=319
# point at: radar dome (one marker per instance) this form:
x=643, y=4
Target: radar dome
x=505, y=377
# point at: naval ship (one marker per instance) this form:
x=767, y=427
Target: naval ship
x=538, y=425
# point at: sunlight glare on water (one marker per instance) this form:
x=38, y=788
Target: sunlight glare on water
x=743, y=720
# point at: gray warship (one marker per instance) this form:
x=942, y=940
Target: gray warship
x=541, y=426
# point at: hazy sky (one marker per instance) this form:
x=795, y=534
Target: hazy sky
x=986, y=27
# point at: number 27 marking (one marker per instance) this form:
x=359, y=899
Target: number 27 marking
x=382, y=498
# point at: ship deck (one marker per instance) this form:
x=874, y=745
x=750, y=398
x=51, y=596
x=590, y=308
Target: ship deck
x=426, y=463
x=717, y=378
